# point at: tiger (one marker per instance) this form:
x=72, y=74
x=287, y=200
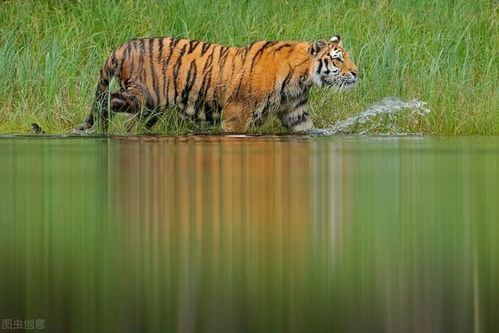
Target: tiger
x=202, y=80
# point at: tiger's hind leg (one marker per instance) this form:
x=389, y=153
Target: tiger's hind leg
x=131, y=98
x=134, y=99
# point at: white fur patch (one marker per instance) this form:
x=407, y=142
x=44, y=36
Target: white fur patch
x=337, y=54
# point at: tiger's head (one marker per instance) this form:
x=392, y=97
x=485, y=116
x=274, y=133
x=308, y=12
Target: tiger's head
x=332, y=66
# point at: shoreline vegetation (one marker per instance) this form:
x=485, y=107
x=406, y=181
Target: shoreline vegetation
x=442, y=53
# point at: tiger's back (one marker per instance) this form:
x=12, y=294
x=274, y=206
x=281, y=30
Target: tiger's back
x=200, y=78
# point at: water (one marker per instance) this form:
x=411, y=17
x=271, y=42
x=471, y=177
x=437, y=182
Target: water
x=391, y=115
x=238, y=234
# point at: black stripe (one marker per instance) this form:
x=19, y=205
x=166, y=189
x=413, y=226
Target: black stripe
x=326, y=64
x=202, y=91
x=247, y=50
x=301, y=103
x=176, y=69
x=149, y=102
x=141, y=48
x=145, y=69
x=175, y=41
x=281, y=47
x=103, y=83
x=248, y=47
x=224, y=50
x=220, y=69
x=192, y=46
x=259, y=54
x=302, y=85
x=256, y=57
x=233, y=67
x=102, y=72
x=114, y=65
x=207, y=73
x=286, y=81
x=160, y=50
x=209, y=61
x=301, y=63
x=238, y=88
x=166, y=61
x=154, y=79
x=113, y=57
x=265, y=109
x=319, y=68
x=159, y=58
x=132, y=58
x=124, y=55
x=129, y=49
x=205, y=48
x=191, y=78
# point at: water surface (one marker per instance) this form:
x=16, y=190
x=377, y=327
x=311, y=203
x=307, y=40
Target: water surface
x=262, y=234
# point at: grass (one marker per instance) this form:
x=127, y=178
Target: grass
x=442, y=52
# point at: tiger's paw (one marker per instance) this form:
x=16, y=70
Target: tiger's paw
x=83, y=128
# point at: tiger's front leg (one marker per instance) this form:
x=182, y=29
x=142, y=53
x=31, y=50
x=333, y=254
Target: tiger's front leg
x=295, y=116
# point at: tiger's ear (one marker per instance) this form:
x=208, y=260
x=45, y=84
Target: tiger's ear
x=336, y=39
x=318, y=46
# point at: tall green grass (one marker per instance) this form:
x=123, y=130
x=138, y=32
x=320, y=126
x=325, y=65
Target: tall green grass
x=442, y=52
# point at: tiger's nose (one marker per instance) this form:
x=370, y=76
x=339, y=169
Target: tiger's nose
x=354, y=73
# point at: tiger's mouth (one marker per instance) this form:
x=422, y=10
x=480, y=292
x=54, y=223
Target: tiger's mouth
x=340, y=83
x=347, y=84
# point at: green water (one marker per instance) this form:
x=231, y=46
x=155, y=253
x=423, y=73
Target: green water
x=214, y=234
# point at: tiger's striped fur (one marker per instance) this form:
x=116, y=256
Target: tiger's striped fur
x=198, y=78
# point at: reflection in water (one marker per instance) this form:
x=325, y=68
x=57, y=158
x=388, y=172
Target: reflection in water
x=250, y=234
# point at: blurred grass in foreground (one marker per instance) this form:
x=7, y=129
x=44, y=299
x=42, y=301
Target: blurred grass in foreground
x=444, y=53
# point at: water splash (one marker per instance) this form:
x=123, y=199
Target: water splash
x=391, y=115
